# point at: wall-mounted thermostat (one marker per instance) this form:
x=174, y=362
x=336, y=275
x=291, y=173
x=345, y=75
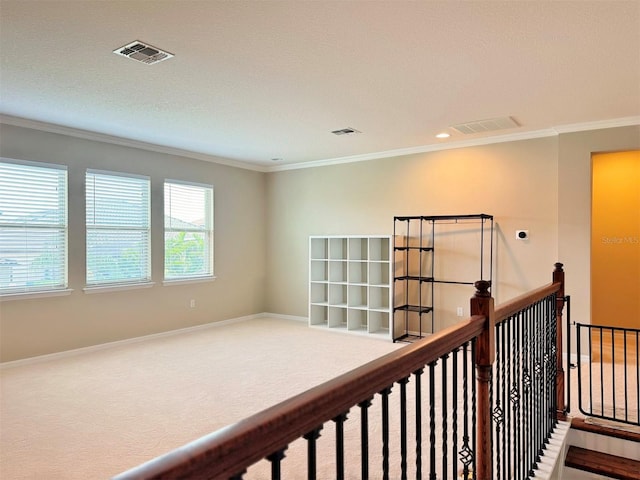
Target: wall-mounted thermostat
x=522, y=234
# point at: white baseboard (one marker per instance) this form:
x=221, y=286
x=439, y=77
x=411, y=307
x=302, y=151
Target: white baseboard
x=128, y=341
x=286, y=317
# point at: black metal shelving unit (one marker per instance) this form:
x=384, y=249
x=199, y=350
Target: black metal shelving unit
x=414, y=279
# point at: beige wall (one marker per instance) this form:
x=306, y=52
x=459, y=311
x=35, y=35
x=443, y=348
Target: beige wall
x=45, y=325
x=263, y=222
x=517, y=182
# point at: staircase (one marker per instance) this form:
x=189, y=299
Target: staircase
x=600, y=452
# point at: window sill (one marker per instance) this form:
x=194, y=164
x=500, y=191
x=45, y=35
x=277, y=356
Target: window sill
x=5, y=297
x=183, y=281
x=116, y=287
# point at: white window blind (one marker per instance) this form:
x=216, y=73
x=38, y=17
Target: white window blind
x=33, y=227
x=118, y=228
x=188, y=230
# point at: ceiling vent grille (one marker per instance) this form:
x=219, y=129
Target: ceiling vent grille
x=346, y=131
x=490, y=125
x=143, y=52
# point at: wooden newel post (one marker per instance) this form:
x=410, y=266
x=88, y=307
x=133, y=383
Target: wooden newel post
x=558, y=277
x=482, y=304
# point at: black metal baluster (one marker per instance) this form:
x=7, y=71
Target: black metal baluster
x=403, y=427
x=638, y=376
x=339, y=421
x=238, y=476
x=311, y=438
x=432, y=421
x=444, y=415
x=507, y=405
x=601, y=377
x=516, y=392
x=454, y=415
x=385, y=432
x=418, y=377
x=364, y=437
x=474, y=408
x=276, y=458
x=613, y=372
x=626, y=382
x=590, y=348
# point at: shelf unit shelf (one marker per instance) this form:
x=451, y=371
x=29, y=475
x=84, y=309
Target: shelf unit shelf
x=415, y=240
x=350, y=283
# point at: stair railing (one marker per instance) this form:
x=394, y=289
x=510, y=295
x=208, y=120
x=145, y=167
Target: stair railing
x=609, y=383
x=450, y=417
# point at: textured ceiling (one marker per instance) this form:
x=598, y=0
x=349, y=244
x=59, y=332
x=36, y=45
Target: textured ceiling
x=252, y=81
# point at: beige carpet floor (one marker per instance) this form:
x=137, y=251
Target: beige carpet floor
x=95, y=414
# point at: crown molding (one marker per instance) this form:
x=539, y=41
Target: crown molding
x=512, y=137
x=123, y=142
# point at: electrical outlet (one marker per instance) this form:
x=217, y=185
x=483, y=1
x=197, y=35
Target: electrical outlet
x=459, y=311
x=192, y=303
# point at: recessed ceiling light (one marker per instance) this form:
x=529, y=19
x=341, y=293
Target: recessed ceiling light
x=443, y=135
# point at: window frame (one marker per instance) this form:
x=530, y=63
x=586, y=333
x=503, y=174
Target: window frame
x=145, y=281
x=61, y=180
x=208, y=230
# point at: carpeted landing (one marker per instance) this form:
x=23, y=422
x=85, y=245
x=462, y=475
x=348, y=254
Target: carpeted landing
x=96, y=413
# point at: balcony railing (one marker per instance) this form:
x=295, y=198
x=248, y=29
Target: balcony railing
x=477, y=400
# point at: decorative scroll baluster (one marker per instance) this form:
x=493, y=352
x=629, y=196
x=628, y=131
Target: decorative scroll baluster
x=311, y=438
x=403, y=427
x=466, y=454
x=497, y=410
x=418, y=377
x=275, y=459
x=385, y=432
x=339, y=421
x=364, y=437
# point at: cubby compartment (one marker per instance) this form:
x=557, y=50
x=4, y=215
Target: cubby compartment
x=358, y=248
x=318, y=315
x=318, y=249
x=378, y=322
x=338, y=295
x=338, y=248
x=319, y=293
x=358, y=296
x=357, y=320
x=379, y=249
x=319, y=270
x=379, y=298
x=358, y=272
x=337, y=317
x=338, y=271
x=378, y=273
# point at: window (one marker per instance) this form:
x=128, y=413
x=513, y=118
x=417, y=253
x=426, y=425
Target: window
x=118, y=228
x=33, y=227
x=188, y=230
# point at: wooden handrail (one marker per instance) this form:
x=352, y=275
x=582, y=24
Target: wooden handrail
x=228, y=451
x=513, y=306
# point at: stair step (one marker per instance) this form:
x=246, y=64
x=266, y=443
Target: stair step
x=602, y=463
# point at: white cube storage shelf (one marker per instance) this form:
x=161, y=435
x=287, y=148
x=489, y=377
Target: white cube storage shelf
x=349, y=283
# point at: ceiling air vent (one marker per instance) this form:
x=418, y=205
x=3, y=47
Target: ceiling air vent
x=490, y=125
x=143, y=52
x=346, y=131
